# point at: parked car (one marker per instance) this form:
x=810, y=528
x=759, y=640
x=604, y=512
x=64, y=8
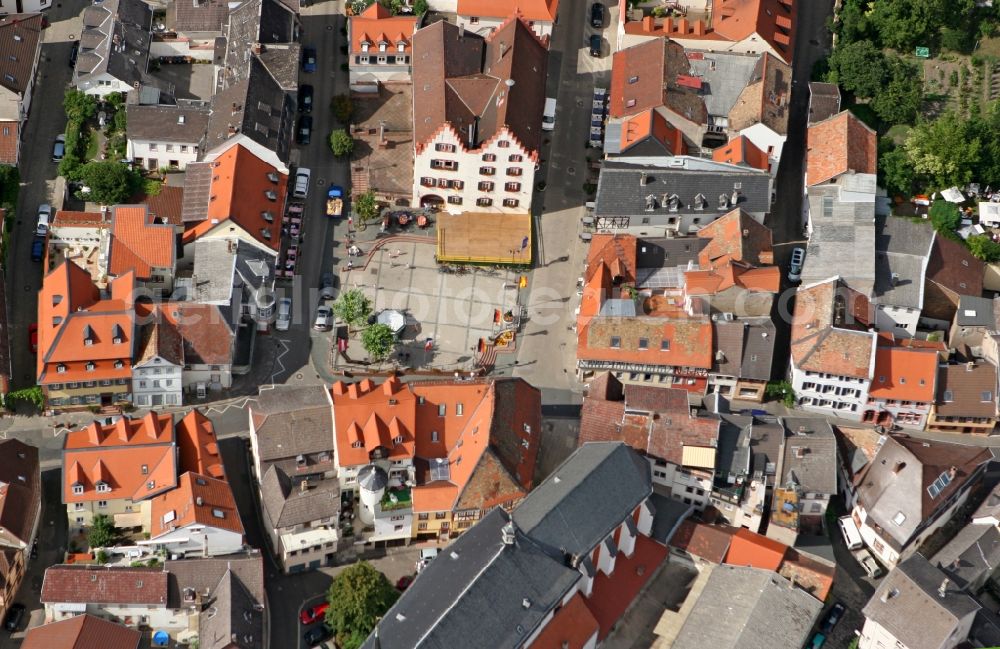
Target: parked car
x=44, y=217
x=37, y=249
x=313, y=614
x=308, y=59
x=849, y=530
x=301, y=187
x=15, y=614
x=597, y=15
x=795, y=265
x=303, y=134
x=33, y=346
x=868, y=562
x=426, y=556
x=74, y=51
x=817, y=641
x=404, y=582
x=305, y=99
x=315, y=636
x=324, y=319
x=284, y=320
x=326, y=288
x=59, y=148
x=832, y=617
x=595, y=45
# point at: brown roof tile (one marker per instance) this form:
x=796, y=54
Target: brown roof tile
x=952, y=266
x=197, y=500
x=766, y=98
x=104, y=585
x=840, y=145
x=710, y=542
x=644, y=76
x=967, y=390
x=82, y=632
x=822, y=340
x=737, y=236
x=165, y=207
x=20, y=491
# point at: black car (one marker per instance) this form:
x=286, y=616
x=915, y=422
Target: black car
x=305, y=99
x=14, y=616
x=316, y=635
x=832, y=617
x=595, y=45
x=308, y=59
x=304, y=133
x=597, y=15
x=73, y=52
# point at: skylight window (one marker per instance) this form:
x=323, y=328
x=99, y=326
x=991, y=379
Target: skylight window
x=218, y=513
x=899, y=518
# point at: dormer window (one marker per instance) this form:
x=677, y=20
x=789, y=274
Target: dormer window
x=60, y=368
x=88, y=336
x=271, y=195
x=397, y=440
x=119, y=365
x=357, y=444
x=77, y=489
x=103, y=487
x=272, y=176
x=365, y=45
x=400, y=46
x=150, y=485
x=267, y=216
x=382, y=46
x=264, y=232
x=90, y=366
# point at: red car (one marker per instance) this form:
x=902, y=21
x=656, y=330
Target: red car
x=33, y=337
x=313, y=613
x=404, y=582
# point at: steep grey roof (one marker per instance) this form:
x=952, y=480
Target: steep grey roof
x=728, y=339
x=913, y=611
x=287, y=505
x=973, y=553
x=585, y=498
x=621, y=192
x=902, y=249
x=841, y=244
x=115, y=39
x=278, y=22
x=477, y=588
x=723, y=77
x=21, y=501
x=810, y=455
x=159, y=123
x=767, y=441
x=748, y=608
x=824, y=101
x=903, y=236
x=282, y=61
x=214, y=271
x=732, y=455
x=990, y=509
x=237, y=618
x=975, y=312
x=292, y=421
x=203, y=576
x=758, y=349
x=654, y=255
x=668, y=516
x=197, y=189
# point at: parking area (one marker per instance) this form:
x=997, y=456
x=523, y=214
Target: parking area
x=446, y=313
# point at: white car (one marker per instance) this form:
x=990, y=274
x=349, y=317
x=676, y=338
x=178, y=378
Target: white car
x=426, y=556
x=284, y=314
x=324, y=319
x=795, y=265
x=44, y=218
x=301, y=187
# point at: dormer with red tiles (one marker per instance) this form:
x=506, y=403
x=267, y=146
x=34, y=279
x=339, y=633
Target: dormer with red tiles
x=381, y=48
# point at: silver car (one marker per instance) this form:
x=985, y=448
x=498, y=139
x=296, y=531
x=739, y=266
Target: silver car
x=324, y=319
x=284, y=320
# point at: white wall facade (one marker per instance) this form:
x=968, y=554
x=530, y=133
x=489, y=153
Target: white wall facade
x=155, y=155
x=157, y=382
x=900, y=321
x=501, y=166
x=199, y=541
x=767, y=141
x=484, y=25
x=157, y=617
x=908, y=414
x=103, y=85
x=830, y=394
x=201, y=49
x=751, y=45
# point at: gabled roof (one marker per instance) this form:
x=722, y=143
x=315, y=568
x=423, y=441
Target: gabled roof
x=822, y=340
x=904, y=374
x=909, y=605
x=203, y=576
x=647, y=76
x=376, y=24
x=644, y=134
x=292, y=421
x=840, y=145
x=534, y=10
x=88, y=584
x=676, y=342
x=736, y=236
x=967, y=390
x=617, y=252
x=766, y=98
x=770, y=20
x=896, y=486
x=810, y=456
x=902, y=249
x=732, y=274
x=953, y=267
x=755, y=551
x=287, y=504
x=82, y=632
x=135, y=458
x=238, y=621
x=247, y=191
x=21, y=35
x=710, y=542
x=459, y=82
x=20, y=491
x=138, y=243
x=158, y=340
x=197, y=446
x=163, y=123
x=824, y=101
x=197, y=500
x=115, y=40
x=741, y=151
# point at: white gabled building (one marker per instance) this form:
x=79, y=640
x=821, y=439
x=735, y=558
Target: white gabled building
x=477, y=117
x=199, y=518
x=157, y=375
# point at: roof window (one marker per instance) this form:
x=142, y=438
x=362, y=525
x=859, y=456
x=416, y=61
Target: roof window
x=218, y=513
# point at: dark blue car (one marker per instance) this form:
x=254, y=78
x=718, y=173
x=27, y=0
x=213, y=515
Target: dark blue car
x=308, y=59
x=37, y=249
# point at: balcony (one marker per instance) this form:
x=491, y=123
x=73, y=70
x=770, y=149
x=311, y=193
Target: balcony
x=396, y=500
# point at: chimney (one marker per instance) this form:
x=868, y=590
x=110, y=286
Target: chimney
x=952, y=471
x=643, y=179
x=507, y=533
x=895, y=279
x=898, y=467
x=943, y=588
x=304, y=486
x=461, y=31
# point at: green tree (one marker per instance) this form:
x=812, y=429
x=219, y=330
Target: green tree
x=342, y=108
x=860, y=68
x=353, y=307
x=905, y=24
x=420, y=7
x=10, y=185
x=378, y=340
x=79, y=106
x=898, y=101
x=395, y=7
x=945, y=218
x=102, y=533
x=895, y=170
x=947, y=150
x=780, y=391
x=341, y=143
x=366, y=205
x=358, y=597
x=358, y=6
x=852, y=24
x=110, y=181
x=983, y=247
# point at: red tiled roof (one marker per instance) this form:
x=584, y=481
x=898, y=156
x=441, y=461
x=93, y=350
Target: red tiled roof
x=612, y=595
x=736, y=236
x=104, y=585
x=754, y=550
x=570, y=628
x=138, y=244
x=770, y=20
x=64, y=218
x=165, y=206
x=651, y=124
x=375, y=23
x=808, y=574
x=904, y=374
x=197, y=446
x=709, y=542
x=543, y=10
x=741, y=151
x=197, y=500
x=82, y=632
x=838, y=145
x=820, y=345
x=726, y=276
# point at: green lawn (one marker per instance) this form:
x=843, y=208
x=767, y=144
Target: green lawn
x=898, y=133
x=92, y=143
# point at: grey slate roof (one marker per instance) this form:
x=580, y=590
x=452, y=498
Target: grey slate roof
x=21, y=35
x=655, y=254
x=283, y=63
x=814, y=441
x=293, y=421
x=723, y=77
x=160, y=123
x=728, y=339
x=990, y=509
x=902, y=249
x=475, y=589
x=667, y=518
x=238, y=619
x=732, y=454
x=843, y=244
x=197, y=189
x=824, y=101
x=620, y=191
x=767, y=441
x=287, y=505
x=748, y=608
x=115, y=39
x=585, y=498
x=758, y=349
x=203, y=16
x=971, y=556
x=976, y=312
x=913, y=611
x=203, y=576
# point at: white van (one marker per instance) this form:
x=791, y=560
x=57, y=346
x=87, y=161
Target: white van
x=549, y=114
x=852, y=537
x=301, y=189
